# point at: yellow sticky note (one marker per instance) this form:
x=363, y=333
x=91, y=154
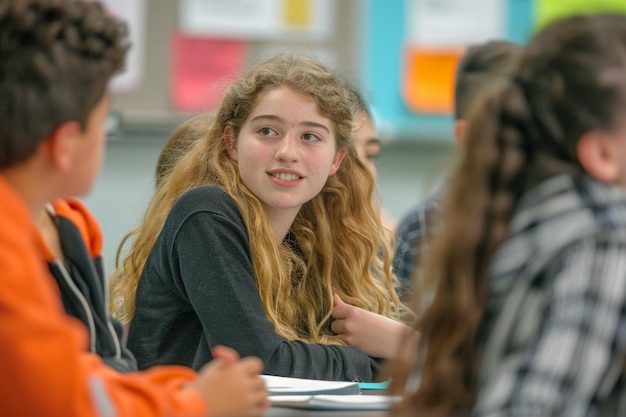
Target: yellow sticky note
x=548, y=10
x=297, y=12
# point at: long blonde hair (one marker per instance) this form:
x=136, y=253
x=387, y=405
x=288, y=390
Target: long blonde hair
x=338, y=231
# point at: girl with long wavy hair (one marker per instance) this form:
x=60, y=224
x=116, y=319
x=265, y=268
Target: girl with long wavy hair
x=256, y=229
x=529, y=312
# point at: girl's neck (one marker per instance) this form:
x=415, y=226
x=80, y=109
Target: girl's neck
x=281, y=223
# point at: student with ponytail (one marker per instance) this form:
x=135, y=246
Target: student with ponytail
x=529, y=311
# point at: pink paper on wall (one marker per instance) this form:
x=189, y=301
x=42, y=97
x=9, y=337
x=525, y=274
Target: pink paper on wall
x=201, y=70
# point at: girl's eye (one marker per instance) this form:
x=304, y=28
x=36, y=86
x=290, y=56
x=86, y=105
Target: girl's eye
x=372, y=156
x=266, y=131
x=372, y=151
x=310, y=137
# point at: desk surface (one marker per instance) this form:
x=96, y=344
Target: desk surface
x=292, y=412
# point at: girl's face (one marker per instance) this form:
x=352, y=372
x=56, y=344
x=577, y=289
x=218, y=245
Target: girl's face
x=285, y=151
x=366, y=141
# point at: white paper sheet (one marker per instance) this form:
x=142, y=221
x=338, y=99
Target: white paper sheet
x=335, y=402
x=278, y=385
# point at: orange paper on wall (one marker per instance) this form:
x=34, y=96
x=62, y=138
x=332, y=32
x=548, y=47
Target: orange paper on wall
x=428, y=80
x=202, y=69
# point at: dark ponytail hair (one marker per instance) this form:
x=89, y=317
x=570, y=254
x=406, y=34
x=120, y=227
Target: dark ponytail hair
x=525, y=129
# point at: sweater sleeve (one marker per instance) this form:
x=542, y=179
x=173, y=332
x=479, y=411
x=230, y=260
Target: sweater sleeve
x=212, y=267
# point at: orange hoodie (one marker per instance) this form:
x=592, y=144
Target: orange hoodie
x=77, y=212
x=45, y=368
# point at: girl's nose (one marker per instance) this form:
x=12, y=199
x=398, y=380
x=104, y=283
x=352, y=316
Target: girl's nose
x=287, y=148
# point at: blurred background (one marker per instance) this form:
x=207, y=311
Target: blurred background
x=401, y=54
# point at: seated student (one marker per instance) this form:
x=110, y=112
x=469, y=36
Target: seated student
x=73, y=242
x=180, y=141
x=367, y=146
x=479, y=67
x=529, y=317
x=255, y=229
x=56, y=59
x=176, y=146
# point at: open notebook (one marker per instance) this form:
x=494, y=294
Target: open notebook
x=335, y=402
x=280, y=385
x=324, y=395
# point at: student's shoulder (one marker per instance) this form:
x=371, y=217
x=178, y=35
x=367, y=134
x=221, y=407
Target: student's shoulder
x=17, y=227
x=207, y=198
x=426, y=208
x=80, y=216
x=415, y=218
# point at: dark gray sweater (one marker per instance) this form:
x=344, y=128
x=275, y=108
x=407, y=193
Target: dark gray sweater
x=198, y=290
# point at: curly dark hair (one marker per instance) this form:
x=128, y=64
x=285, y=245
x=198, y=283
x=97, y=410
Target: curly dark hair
x=56, y=59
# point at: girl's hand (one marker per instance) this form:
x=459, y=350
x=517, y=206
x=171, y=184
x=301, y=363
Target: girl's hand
x=374, y=334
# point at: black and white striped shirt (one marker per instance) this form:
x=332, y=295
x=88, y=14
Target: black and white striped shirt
x=554, y=329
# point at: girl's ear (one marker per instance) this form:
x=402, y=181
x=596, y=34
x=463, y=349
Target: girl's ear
x=341, y=153
x=231, y=142
x=597, y=153
x=459, y=129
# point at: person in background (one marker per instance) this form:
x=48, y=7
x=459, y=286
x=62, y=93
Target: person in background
x=367, y=144
x=180, y=141
x=352, y=324
x=256, y=232
x=479, y=67
x=56, y=59
x=529, y=313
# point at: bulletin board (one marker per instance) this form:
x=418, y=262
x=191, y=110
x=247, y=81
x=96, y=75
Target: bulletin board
x=177, y=52
x=210, y=49
x=408, y=71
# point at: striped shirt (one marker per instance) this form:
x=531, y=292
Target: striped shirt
x=554, y=329
x=413, y=236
